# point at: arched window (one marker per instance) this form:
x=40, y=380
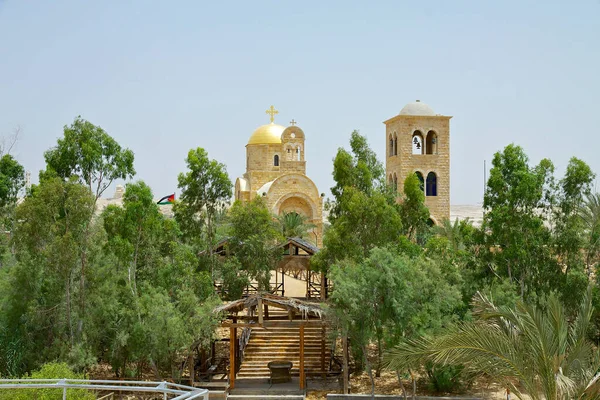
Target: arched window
x=417, y=143
x=431, y=143
x=298, y=153
x=391, y=151
x=276, y=160
x=431, y=184
x=395, y=144
x=391, y=180
x=421, y=180
x=395, y=183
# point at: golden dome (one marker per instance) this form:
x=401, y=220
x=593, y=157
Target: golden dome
x=267, y=134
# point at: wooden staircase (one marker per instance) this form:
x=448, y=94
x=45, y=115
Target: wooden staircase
x=283, y=343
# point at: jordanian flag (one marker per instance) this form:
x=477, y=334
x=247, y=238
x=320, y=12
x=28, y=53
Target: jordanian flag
x=170, y=199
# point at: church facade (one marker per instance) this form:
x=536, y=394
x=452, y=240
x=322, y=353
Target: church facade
x=276, y=171
x=418, y=142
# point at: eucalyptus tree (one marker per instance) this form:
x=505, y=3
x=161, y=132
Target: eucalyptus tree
x=87, y=153
x=536, y=353
x=205, y=192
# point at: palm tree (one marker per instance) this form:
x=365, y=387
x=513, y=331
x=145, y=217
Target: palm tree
x=294, y=224
x=589, y=212
x=536, y=354
x=451, y=231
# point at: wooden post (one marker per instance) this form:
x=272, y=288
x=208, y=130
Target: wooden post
x=232, y=339
x=301, y=357
x=323, y=287
x=260, y=311
x=345, y=366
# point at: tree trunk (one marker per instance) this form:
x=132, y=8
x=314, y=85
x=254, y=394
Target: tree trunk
x=401, y=384
x=379, y=358
x=414, y=384
x=369, y=371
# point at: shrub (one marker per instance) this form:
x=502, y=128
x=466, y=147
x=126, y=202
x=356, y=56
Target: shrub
x=51, y=370
x=445, y=378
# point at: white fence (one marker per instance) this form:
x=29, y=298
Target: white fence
x=171, y=391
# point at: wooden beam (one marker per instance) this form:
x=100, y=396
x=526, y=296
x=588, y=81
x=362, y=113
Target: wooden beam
x=232, y=338
x=260, y=311
x=301, y=357
x=345, y=365
x=269, y=323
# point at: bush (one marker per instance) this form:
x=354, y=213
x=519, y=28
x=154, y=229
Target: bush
x=49, y=371
x=446, y=378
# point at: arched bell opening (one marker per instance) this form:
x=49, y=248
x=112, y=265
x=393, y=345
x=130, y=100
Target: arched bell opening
x=417, y=143
x=431, y=187
x=431, y=143
x=391, y=146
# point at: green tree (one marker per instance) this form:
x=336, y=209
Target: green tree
x=387, y=297
x=12, y=180
x=538, y=354
x=414, y=213
x=253, y=236
x=164, y=313
x=589, y=214
x=205, y=191
x=294, y=224
x=516, y=204
x=364, y=213
x=48, y=241
x=91, y=154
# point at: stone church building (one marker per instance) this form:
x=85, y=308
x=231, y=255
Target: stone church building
x=418, y=141
x=276, y=170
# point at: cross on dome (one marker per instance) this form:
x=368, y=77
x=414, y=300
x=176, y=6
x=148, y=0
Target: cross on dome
x=272, y=111
x=293, y=122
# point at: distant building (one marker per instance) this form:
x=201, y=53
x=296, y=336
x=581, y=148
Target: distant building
x=418, y=142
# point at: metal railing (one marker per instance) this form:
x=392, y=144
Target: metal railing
x=180, y=392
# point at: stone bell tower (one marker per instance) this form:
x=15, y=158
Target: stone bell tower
x=417, y=142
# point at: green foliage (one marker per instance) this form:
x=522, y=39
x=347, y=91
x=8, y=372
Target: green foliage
x=446, y=378
x=205, y=191
x=414, y=212
x=253, y=234
x=51, y=370
x=515, y=203
x=537, y=354
x=294, y=225
x=90, y=153
x=387, y=297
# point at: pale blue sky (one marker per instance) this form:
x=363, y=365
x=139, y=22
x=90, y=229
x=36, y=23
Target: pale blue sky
x=164, y=77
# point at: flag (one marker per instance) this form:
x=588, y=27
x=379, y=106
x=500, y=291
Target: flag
x=169, y=199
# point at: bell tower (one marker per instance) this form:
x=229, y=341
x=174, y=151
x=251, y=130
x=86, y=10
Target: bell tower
x=417, y=141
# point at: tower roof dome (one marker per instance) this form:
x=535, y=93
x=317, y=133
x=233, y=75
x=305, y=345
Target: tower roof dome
x=267, y=134
x=417, y=108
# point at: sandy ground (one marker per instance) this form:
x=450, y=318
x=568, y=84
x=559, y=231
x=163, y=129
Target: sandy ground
x=388, y=384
